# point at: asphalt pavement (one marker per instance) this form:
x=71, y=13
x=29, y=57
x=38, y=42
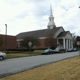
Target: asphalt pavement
x=16, y=65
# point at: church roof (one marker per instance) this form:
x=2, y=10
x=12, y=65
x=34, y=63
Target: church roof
x=63, y=34
x=38, y=33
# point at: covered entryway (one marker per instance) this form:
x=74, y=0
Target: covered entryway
x=65, y=43
x=65, y=40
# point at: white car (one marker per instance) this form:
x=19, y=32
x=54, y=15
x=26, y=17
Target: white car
x=59, y=50
x=2, y=56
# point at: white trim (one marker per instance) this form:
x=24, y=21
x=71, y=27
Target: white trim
x=68, y=35
x=42, y=37
x=19, y=39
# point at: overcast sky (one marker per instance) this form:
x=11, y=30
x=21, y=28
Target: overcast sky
x=29, y=15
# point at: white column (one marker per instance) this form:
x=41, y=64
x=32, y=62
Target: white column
x=64, y=43
x=67, y=43
x=71, y=44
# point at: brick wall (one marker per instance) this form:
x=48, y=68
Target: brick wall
x=44, y=46
x=11, y=42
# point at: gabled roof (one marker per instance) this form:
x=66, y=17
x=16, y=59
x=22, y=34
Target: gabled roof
x=63, y=34
x=38, y=33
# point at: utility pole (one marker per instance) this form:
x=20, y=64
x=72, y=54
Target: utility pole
x=5, y=38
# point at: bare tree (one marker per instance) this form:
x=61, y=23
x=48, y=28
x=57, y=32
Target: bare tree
x=50, y=41
x=28, y=39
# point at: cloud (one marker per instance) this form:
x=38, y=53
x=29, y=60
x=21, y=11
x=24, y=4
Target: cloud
x=28, y=15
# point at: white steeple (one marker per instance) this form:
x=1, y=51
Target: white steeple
x=51, y=13
x=51, y=23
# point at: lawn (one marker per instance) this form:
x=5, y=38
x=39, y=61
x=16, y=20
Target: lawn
x=68, y=69
x=23, y=54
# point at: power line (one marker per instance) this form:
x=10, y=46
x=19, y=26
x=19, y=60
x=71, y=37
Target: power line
x=66, y=13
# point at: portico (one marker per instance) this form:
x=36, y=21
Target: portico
x=65, y=40
x=65, y=43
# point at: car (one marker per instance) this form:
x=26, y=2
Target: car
x=48, y=51
x=72, y=49
x=59, y=50
x=2, y=56
x=75, y=49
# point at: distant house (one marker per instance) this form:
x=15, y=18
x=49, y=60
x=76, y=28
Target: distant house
x=62, y=37
x=11, y=42
x=78, y=38
x=78, y=41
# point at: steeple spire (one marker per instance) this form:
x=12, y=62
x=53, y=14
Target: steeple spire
x=51, y=23
x=51, y=13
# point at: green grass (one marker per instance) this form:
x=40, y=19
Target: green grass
x=23, y=54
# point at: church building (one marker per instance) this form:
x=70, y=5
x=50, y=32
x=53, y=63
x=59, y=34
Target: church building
x=62, y=37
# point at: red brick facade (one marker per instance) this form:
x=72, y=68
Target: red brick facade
x=11, y=42
x=42, y=45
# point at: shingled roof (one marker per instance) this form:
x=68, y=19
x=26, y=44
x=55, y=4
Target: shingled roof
x=63, y=34
x=38, y=33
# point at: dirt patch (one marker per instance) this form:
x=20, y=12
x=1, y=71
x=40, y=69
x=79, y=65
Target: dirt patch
x=63, y=70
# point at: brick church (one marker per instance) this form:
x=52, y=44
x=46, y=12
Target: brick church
x=62, y=37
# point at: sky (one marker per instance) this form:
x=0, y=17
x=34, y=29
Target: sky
x=30, y=15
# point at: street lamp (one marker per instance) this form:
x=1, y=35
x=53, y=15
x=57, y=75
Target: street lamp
x=5, y=37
